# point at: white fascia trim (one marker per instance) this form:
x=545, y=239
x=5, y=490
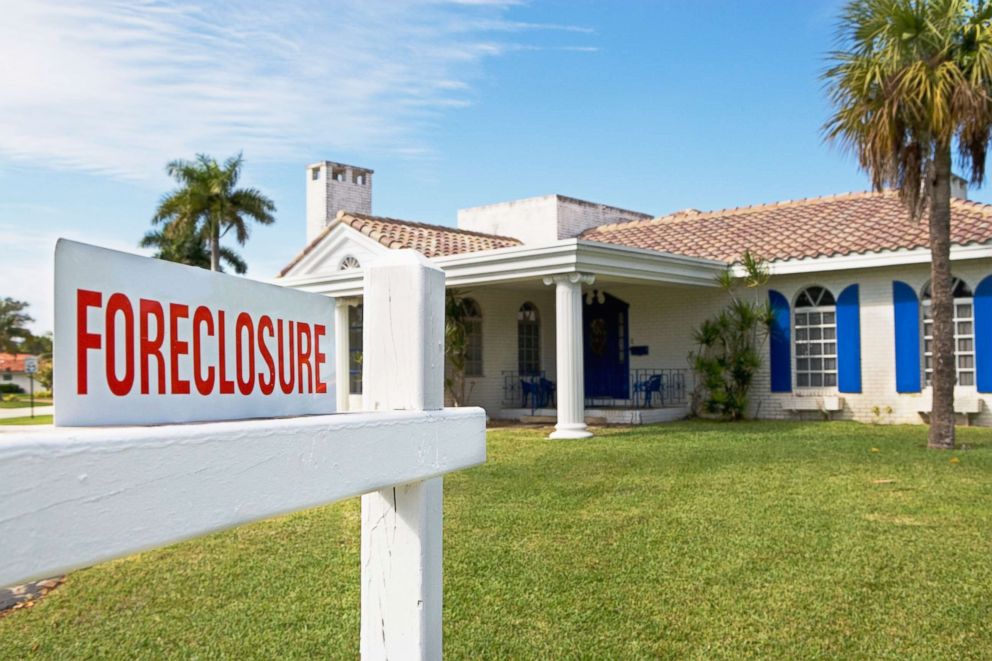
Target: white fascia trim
x=870, y=260
x=647, y=265
x=534, y=262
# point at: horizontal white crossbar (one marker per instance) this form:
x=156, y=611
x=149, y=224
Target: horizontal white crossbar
x=72, y=497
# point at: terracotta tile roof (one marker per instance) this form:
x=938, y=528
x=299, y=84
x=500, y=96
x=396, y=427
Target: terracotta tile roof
x=852, y=223
x=13, y=362
x=430, y=240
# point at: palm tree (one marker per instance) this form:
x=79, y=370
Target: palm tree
x=181, y=244
x=911, y=79
x=209, y=201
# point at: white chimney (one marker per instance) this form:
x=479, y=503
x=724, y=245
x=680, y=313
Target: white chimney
x=333, y=187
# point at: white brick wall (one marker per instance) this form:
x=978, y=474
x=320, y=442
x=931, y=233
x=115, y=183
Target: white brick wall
x=663, y=319
x=540, y=220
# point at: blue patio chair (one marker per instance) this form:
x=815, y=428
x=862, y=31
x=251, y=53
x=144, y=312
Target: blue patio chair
x=529, y=389
x=648, y=387
x=547, y=392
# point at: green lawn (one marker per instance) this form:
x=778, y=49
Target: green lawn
x=28, y=420
x=693, y=540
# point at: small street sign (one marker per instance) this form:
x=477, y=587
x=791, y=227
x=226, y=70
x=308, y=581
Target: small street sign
x=30, y=365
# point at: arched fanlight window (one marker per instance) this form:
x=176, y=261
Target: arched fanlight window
x=473, y=337
x=964, y=334
x=816, y=338
x=528, y=340
x=349, y=263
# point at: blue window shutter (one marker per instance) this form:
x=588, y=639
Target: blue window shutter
x=907, y=317
x=780, y=343
x=849, y=341
x=983, y=335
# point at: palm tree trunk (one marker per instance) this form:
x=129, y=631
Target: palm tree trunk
x=215, y=247
x=942, y=303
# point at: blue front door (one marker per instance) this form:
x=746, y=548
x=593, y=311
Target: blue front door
x=607, y=346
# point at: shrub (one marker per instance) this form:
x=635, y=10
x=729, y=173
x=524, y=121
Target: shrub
x=11, y=388
x=728, y=357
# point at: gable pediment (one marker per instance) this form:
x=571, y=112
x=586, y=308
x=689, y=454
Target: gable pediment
x=340, y=245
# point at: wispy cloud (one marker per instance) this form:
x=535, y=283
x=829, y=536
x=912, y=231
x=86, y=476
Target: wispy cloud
x=27, y=268
x=121, y=87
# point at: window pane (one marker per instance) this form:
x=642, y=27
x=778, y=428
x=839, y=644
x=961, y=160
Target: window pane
x=802, y=364
x=801, y=335
x=964, y=328
x=801, y=319
x=830, y=348
x=815, y=349
x=829, y=363
x=966, y=361
x=816, y=380
x=815, y=333
x=816, y=364
x=965, y=344
x=814, y=318
x=802, y=349
x=830, y=379
x=966, y=378
x=828, y=317
x=829, y=333
x=802, y=380
x=963, y=310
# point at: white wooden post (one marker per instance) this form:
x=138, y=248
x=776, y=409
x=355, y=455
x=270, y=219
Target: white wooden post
x=403, y=361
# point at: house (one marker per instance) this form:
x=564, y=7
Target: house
x=585, y=311
x=12, y=371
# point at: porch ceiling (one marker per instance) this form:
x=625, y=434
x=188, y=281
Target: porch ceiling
x=518, y=264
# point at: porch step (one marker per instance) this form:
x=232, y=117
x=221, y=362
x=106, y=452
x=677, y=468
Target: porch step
x=550, y=420
x=600, y=416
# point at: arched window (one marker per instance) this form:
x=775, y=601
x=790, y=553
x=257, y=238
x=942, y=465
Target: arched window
x=964, y=334
x=473, y=338
x=349, y=263
x=816, y=338
x=528, y=340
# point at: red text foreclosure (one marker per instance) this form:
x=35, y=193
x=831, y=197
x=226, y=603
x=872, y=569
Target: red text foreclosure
x=288, y=352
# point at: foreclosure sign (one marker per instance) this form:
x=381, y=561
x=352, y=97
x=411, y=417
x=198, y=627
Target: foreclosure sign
x=144, y=341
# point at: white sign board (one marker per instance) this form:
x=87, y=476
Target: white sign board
x=144, y=341
x=30, y=365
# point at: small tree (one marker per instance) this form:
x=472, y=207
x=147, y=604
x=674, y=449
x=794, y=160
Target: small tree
x=13, y=325
x=728, y=356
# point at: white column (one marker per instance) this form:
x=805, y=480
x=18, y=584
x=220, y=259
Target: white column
x=341, y=365
x=403, y=362
x=568, y=354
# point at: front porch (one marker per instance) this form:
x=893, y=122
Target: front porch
x=574, y=333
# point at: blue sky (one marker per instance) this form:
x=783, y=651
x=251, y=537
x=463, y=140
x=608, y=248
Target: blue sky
x=653, y=106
